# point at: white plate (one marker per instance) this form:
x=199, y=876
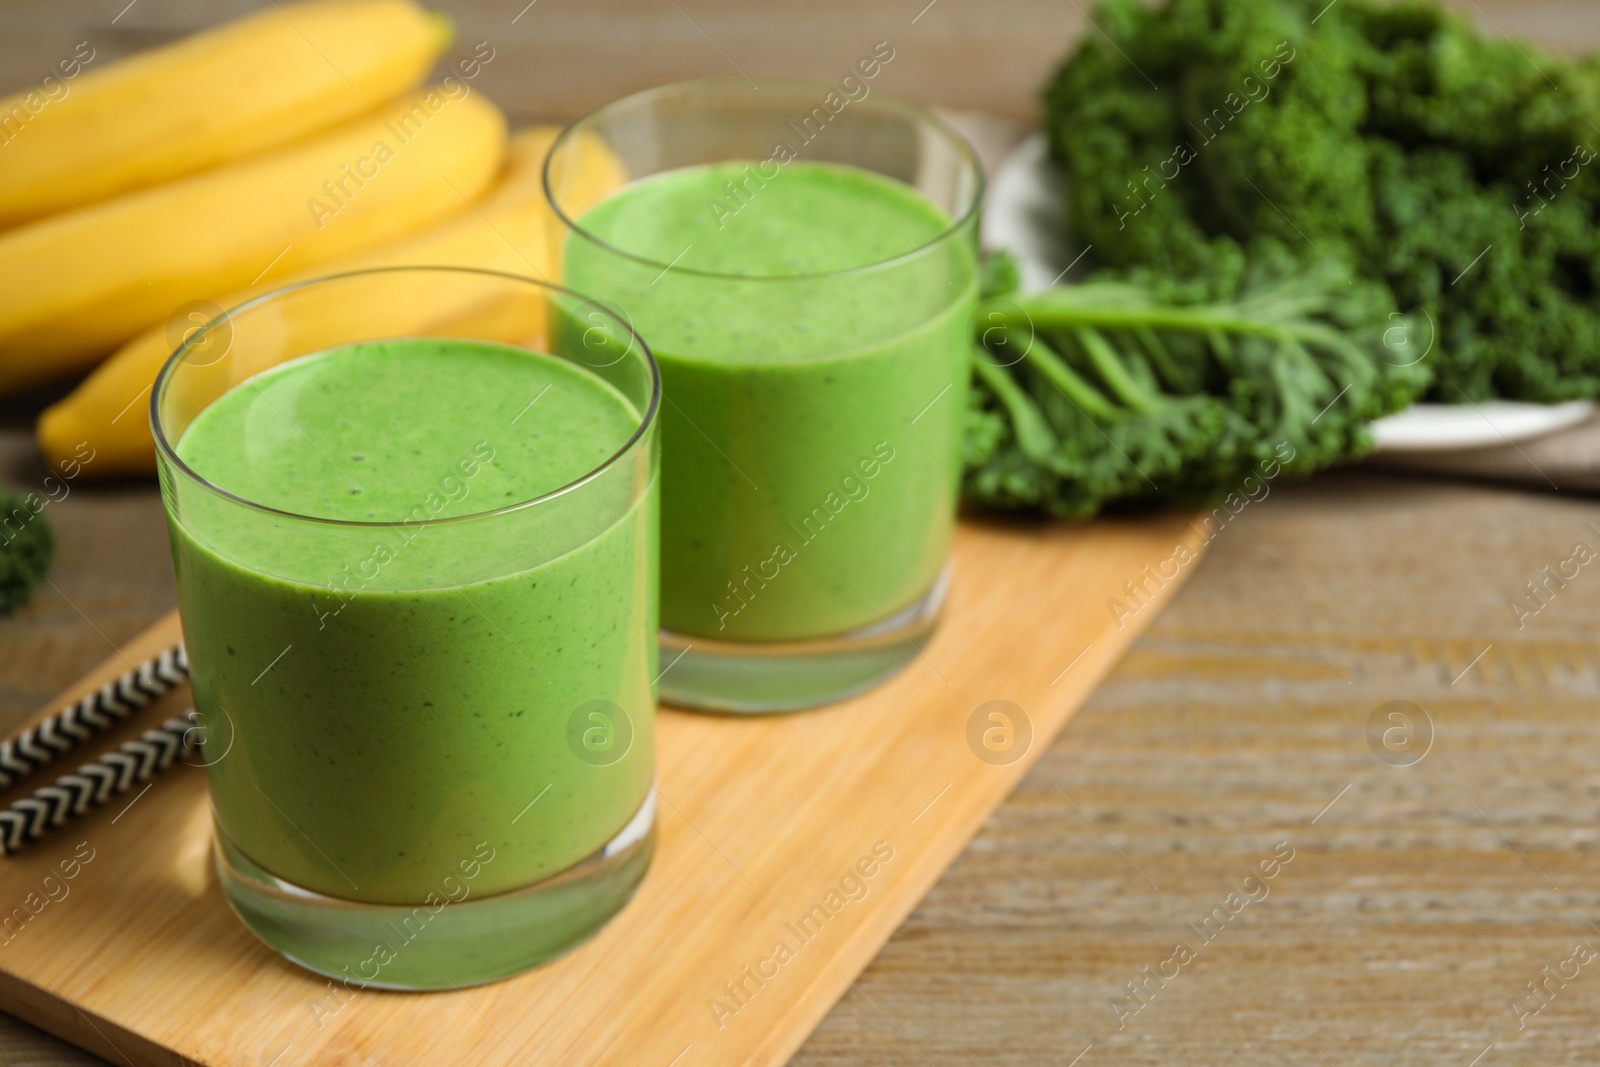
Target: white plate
x=1447, y=427
x=1023, y=214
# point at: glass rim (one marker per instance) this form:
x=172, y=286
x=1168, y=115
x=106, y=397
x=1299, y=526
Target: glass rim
x=950, y=133
x=166, y=449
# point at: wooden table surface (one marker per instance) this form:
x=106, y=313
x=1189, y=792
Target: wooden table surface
x=1429, y=892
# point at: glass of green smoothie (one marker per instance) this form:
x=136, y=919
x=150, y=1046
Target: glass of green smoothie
x=413, y=516
x=802, y=257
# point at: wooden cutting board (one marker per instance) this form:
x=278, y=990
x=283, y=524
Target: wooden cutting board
x=137, y=957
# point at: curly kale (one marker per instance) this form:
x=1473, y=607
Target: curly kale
x=27, y=545
x=1121, y=392
x=1384, y=142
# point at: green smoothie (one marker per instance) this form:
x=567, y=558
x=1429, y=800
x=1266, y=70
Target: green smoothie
x=383, y=699
x=812, y=425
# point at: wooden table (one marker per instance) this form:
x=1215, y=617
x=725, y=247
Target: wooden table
x=1421, y=899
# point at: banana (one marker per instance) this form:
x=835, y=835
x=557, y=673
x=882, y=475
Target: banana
x=76, y=285
x=509, y=229
x=577, y=178
x=259, y=82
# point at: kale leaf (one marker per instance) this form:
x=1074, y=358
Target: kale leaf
x=27, y=546
x=1121, y=392
x=1390, y=143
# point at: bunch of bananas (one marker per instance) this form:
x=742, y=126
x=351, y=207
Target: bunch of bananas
x=291, y=143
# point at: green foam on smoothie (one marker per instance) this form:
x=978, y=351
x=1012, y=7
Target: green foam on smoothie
x=366, y=432
x=817, y=263
x=809, y=218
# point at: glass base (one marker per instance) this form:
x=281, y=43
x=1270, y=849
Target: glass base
x=412, y=947
x=757, y=677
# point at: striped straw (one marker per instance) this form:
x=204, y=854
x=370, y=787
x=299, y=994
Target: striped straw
x=38, y=746
x=94, y=783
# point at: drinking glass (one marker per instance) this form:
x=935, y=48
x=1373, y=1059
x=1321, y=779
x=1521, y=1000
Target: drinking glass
x=812, y=424
x=429, y=736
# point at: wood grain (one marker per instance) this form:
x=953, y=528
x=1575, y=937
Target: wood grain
x=1417, y=907
x=556, y=59
x=112, y=575
x=1405, y=925
x=761, y=819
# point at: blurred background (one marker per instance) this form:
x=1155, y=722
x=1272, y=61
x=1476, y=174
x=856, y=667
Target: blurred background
x=556, y=59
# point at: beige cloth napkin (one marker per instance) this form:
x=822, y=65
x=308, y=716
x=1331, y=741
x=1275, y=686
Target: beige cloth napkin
x=1567, y=460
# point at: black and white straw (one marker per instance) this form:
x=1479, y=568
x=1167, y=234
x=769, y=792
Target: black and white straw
x=40, y=745
x=94, y=783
